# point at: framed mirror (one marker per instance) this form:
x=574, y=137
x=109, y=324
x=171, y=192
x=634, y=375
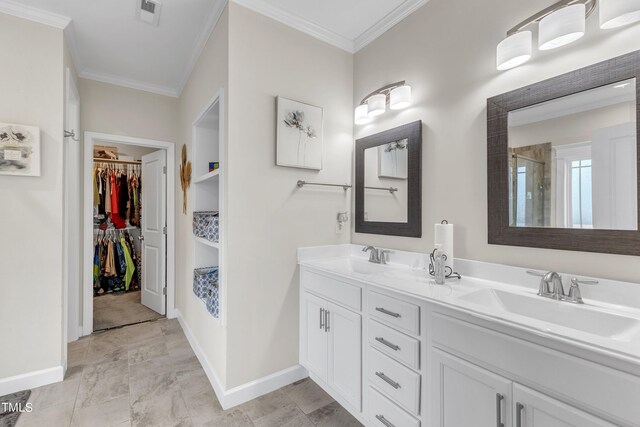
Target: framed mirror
x=563, y=161
x=389, y=182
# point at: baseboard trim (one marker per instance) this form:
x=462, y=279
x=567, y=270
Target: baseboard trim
x=31, y=380
x=253, y=389
x=245, y=392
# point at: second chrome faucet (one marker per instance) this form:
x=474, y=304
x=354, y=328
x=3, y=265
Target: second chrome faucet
x=551, y=286
x=376, y=256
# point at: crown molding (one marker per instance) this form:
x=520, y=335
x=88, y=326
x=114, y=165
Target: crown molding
x=386, y=23
x=265, y=8
x=352, y=46
x=129, y=83
x=201, y=42
x=34, y=14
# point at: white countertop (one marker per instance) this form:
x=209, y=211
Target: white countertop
x=612, y=310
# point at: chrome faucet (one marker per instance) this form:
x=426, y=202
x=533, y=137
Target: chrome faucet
x=551, y=287
x=376, y=256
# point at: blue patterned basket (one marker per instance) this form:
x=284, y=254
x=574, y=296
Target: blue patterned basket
x=206, y=224
x=204, y=279
x=213, y=301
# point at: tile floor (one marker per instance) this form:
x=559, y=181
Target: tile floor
x=147, y=375
x=111, y=311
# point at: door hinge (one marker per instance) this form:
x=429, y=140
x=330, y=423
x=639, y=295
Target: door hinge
x=164, y=230
x=164, y=170
x=164, y=290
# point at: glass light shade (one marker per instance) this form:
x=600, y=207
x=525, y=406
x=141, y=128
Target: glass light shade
x=400, y=97
x=514, y=50
x=362, y=117
x=377, y=104
x=562, y=27
x=616, y=13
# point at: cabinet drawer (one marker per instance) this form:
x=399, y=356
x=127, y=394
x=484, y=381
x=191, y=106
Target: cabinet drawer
x=399, y=314
x=398, y=382
x=382, y=409
x=340, y=292
x=395, y=344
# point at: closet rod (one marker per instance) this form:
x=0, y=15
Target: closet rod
x=124, y=162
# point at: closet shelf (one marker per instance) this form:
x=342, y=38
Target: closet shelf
x=207, y=242
x=207, y=176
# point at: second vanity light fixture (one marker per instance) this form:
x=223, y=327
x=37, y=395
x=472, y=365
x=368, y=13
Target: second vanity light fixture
x=561, y=24
x=397, y=95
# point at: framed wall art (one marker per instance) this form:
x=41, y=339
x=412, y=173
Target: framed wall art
x=299, y=134
x=19, y=150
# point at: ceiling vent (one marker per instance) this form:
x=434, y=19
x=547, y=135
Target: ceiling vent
x=149, y=12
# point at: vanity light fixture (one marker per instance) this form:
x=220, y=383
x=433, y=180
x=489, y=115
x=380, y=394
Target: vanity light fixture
x=562, y=27
x=514, y=50
x=616, y=13
x=558, y=25
x=377, y=104
x=362, y=116
x=397, y=95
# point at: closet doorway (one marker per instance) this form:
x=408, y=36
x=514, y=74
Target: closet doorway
x=128, y=231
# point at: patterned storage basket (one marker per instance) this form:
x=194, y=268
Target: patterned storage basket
x=206, y=225
x=213, y=302
x=203, y=280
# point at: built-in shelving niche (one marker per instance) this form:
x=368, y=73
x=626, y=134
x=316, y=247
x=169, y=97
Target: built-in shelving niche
x=208, y=188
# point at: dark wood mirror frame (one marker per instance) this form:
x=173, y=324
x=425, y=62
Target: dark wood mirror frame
x=413, y=226
x=623, y=242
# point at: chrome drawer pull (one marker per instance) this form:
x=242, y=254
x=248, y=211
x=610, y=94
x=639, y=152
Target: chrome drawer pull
x=387, y=343
x=499, y=399
x=519, y=408
x=322, y=317
x=384, y=421
x=387, y=312
x=388, y=380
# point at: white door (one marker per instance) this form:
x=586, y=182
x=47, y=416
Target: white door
x=154, y=221
x=614, y=177
x=345, y=354
x=467, y=395
x=315, y=347
x=533, y=409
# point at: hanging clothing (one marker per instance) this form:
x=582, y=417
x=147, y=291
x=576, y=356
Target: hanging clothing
x=130, y=266
x=96, y=195
x=110, y=265
x=107, y=193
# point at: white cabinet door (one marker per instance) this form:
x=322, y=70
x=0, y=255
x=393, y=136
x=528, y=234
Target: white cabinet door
x=345, y=354
x=533, y=409
x=315, y=350
x=467, y=395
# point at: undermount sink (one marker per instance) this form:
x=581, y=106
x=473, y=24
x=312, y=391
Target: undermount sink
x=582, y=318
x=357, y=266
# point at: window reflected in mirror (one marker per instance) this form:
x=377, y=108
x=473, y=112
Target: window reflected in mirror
x=573, y=163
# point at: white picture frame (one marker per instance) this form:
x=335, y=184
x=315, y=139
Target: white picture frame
x=299, y=134
x=19, y=150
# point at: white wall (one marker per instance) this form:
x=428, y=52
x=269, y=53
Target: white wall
x=269, y=216
x=31, y=207
x=446, y=51
x=209, y=75
x=573, y=128
x=118, y=110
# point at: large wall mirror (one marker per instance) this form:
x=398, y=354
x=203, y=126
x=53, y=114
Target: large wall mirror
x=388, y=182
x=563, y=161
